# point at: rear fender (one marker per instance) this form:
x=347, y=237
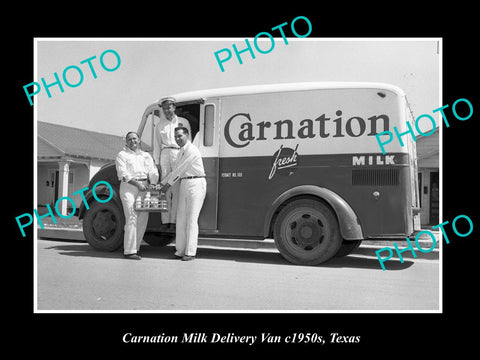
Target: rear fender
x=348, y=221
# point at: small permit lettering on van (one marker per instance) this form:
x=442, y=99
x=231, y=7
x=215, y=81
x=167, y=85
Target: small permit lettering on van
x=232, y=174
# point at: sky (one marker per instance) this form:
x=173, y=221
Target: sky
x=150, y=69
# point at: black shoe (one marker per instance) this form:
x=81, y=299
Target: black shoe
x=132, y=257
x=188, y=258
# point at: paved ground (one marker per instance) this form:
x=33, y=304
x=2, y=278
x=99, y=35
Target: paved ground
x=73, y=276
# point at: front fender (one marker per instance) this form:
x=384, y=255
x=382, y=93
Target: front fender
x=102, y=192
x=348, y=221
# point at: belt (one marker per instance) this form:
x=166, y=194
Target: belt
x=138, y=179
x=191, y=177
x=171, y=147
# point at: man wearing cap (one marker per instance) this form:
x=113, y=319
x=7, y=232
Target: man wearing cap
x=135, y=168
x=166, y=152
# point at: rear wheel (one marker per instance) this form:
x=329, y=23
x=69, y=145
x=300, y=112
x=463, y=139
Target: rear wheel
x=306, y=232
x=103, y=226
x=347, y=247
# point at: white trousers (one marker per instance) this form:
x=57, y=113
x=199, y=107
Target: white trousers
x=135, y=221
x=167, y=160
x=190, y=201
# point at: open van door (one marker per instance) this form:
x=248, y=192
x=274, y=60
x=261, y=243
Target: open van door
x=204, y=121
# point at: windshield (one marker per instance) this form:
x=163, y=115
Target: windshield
x=147, y=132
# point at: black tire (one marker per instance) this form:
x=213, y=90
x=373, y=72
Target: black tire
x=103, y=226
x=306, y=232
x=159, y=239
x=347, y=247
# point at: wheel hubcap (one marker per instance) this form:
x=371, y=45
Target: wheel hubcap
x=305, y=231
x=104, y=224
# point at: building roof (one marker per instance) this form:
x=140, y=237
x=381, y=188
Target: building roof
x=55, y=141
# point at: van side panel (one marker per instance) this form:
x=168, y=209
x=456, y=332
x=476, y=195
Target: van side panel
x=249, y=194
x=275, y=141
x=333, y=121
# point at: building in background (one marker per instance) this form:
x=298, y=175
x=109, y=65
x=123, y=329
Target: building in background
x=428, y=178
x=67, y=158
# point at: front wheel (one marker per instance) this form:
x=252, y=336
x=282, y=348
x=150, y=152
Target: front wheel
x=306, y=232
x=103, y=226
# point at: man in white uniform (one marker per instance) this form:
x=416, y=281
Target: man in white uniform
x=135, y=168
x=166, y=152
x=193, y=188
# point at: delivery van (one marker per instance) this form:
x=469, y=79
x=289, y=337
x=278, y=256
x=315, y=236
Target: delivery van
x=296, y=162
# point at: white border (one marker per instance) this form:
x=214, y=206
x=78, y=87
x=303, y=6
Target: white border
x=35, y=232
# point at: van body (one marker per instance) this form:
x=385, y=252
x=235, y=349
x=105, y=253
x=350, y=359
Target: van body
x=299, y=163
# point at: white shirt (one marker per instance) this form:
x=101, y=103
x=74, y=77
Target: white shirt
x=165, y=134
x=135, y=165
x=189, y=163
